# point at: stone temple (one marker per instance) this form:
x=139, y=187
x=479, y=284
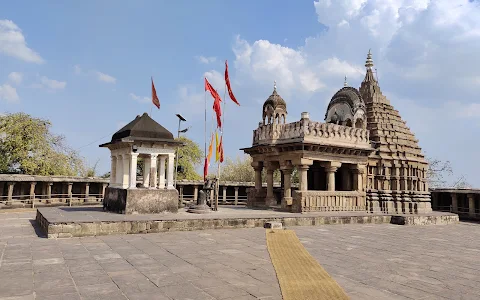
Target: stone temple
x=362, y=158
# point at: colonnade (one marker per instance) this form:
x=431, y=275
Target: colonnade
x=123, y=172
x=303, y=166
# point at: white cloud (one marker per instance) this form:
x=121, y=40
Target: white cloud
x=12, y=43
x=15, y=77
x=105, y=77
x=49, y=84
x=206, y=60
x=8, y=93
x=139, y=98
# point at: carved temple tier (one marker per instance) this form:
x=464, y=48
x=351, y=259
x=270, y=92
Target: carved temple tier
x=305, y=201
x=311, y=132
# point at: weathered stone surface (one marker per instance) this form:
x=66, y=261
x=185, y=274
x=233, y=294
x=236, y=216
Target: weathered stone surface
x=141, y=201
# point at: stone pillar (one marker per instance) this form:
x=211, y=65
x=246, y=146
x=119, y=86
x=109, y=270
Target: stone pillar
x=454, y=202
x=258, y=167
x=126, y=171
x=11, y=185
x=236, y=195
x=119, y=171
x=87, y=191
x=147, y=166
x=471, y=205
x=171, y=166
x=113, y=170
x=224, y=195
x=153, y=171
x=270, y=200
x=102, y=191
x=303, y=172
x=161, y=182
x=330, y=169
x=69, y=192
x=180, y=191
x=195, y=193
x=32, y=189
x=358, y=172
x=49, y=191
x=133, y=157
x=397, y=177
x=287, y=190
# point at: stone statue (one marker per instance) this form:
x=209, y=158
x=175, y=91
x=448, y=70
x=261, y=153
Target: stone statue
x=203, y=201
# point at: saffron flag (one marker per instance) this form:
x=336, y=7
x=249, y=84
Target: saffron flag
x=210, y=149
x=229, y=88
x=155, y=100
x=217, y=148
x=220, y=149
x=205, y=169
x=216, y=102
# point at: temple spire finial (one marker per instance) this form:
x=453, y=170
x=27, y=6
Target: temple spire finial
x=369, y=62
x=345, y=84
x=274, y=85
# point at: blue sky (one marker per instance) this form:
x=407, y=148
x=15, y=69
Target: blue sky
x=86, y=65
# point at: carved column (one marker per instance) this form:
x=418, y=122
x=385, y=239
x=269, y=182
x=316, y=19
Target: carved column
x=147, y=166
x=153, y=170
x=69, y=193
x=171, y=160
x=258, y=167
x=471, y=205
x=113, y=170
x=119, y=171
x=161, y=184
x=270, y=200
x=126, y=171
x=102, y=191
x=133, y=157
x=287, y=190
x=330, y=169
x=454, y=202
x=303, y=172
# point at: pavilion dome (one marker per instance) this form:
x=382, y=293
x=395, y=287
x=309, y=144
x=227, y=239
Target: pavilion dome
x=274, y=109
x=143, y=128
x=347, y=108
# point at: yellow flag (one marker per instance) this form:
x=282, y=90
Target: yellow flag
x=217, y=153
x=210, y=149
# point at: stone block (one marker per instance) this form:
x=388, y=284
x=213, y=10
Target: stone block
x=141, y=201
x=273, y=225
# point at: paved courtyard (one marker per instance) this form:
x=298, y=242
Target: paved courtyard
x=368, y=261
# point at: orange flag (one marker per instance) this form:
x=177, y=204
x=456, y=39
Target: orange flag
x=217, y=148
x=155, y=100
x=210, y=149
x=220, y=149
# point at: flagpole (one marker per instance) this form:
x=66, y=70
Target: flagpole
x=223, y=128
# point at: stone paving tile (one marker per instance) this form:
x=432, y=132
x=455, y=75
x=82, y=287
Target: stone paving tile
x=368, y=261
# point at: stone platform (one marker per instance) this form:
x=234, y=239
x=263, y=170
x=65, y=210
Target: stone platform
x=58, y=222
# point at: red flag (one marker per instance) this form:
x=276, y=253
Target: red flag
x=218, y=112
x=227, y=81
x=155, y=100
x=220, y=149
x=205, y=169
x=213, y=92
x=216, y=101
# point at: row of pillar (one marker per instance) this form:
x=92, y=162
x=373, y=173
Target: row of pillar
x=224, y=194
x=397, y=177
x=471, y=204
x=302, y=166
x=48, y=190
x=123, y=173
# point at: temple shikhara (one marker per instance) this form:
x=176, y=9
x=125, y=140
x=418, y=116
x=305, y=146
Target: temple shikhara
x=362, y=158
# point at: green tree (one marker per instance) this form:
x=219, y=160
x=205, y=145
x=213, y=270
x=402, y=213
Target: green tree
x=190, y=157
x=240, y=170
x=27, y=146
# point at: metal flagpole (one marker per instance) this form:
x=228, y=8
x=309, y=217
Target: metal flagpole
x=222, y=130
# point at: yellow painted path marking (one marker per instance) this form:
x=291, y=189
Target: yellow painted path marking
x=300, y=276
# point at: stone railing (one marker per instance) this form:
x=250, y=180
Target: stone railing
x=312, y=132
x=306, y=201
